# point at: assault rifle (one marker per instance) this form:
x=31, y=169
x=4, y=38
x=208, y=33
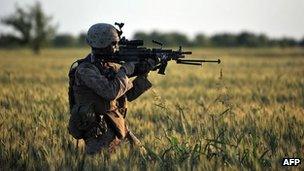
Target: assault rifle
x=133, y=50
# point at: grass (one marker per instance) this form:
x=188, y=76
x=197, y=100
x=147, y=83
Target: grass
x=246, y=113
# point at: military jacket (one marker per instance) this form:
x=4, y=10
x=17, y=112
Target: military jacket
x=107, y=88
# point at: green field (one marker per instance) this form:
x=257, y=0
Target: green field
x=247, y=112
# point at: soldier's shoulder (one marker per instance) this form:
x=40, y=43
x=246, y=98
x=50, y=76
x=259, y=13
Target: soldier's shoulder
x=86, y=65
x=85, y=68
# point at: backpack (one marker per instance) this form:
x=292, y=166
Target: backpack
x=82, y=118
x=71, y=75
x=73, y=120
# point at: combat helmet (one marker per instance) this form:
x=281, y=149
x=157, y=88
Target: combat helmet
x=101, y=35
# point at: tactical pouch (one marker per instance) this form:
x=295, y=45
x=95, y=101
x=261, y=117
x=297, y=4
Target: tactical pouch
x=84, y=122
x=74, y=122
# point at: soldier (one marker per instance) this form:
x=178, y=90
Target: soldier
x=99, y=89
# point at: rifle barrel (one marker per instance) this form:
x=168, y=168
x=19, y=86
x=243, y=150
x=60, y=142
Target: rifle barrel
x=189, y=63
x=199, y=60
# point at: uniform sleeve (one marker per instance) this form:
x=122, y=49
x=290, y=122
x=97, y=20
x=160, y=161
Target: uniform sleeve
x=140, y=85
x=108, y=89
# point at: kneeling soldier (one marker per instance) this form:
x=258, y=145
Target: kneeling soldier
x=98, y=92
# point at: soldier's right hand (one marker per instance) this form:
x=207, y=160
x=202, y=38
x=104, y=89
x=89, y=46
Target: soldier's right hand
x=128, y=68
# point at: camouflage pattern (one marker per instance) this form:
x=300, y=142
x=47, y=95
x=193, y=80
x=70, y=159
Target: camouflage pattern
x=101, y=35
x=87, y=74
x=96, y=144
x=108, y=96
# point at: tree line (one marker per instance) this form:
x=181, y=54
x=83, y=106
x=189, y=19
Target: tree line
x=243, y=39
x=34, y=29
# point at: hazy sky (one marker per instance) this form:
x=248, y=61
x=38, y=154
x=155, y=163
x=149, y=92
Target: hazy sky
x=276, y=18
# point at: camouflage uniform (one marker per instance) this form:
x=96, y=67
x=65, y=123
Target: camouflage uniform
x=106, y=88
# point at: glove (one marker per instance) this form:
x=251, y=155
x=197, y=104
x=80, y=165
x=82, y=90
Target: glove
x=152, y=63
x=128, y=67
x=144, y=67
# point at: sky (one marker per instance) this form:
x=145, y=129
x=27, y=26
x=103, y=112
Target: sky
x=275, y=18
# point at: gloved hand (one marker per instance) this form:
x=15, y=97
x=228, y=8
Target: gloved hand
x=128, y=67
x=152, y=63
x=144, y=67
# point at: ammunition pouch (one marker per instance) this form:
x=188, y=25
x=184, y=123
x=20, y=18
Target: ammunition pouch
x=85, y=123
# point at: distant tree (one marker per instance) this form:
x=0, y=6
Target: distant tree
x=8, y=40
x=177, y=39
x=200, y=40
x=42, y=30
x=64, y=40
x=143, y=36
x=155, y=35
x=263, y=40
x=301, y=42
x=81, y=39
x=21, y=22
x=287, y=42
x=32, y=24
x=247, y=39
x=140, y=35
x=168, y=39
x=223, y=40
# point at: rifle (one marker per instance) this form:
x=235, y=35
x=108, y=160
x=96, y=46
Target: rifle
x=134, y=51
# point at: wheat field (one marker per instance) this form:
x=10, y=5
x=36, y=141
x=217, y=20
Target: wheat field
x=245, y=113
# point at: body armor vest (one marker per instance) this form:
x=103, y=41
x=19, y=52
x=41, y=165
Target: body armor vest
x=114, y=111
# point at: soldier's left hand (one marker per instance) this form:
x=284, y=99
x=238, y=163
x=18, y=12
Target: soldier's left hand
x=144, y=67
x=129, y=68
x=152, y=63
